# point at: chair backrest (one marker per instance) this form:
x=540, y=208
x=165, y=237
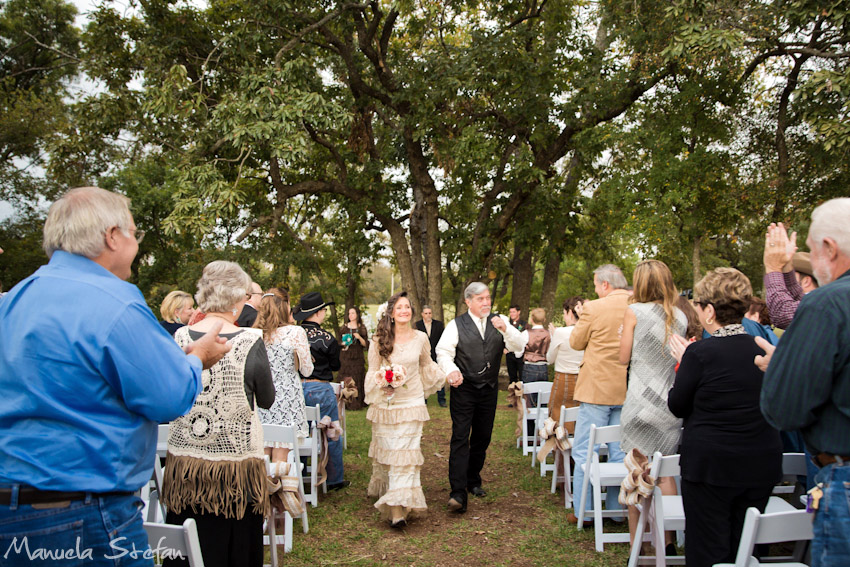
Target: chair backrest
x=760, y=528
x=536, y=387
x=794, y=465
x=543, y=398
x=599, y=435
x=170, y=541
x=569, y=414
x=336, y=386
x=313, y=413
x=162, y=439
x=664, y=465
x=279, y=434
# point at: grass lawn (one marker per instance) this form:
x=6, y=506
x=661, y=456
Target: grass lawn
x=519, y=522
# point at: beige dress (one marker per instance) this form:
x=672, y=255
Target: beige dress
x=397, y=425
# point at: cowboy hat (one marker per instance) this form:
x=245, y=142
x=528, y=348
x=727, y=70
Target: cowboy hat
x=310, y=303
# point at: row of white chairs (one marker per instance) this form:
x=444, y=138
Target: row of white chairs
x=602, y=475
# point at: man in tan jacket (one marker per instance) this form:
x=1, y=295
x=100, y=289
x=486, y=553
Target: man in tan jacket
x=601, y=384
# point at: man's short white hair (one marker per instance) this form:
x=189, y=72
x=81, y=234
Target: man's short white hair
x=611, y=274
x=473, y=289
x=78, y=221
x=830, y=220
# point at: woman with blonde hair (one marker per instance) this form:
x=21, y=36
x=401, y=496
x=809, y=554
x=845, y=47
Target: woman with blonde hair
x=647, y=424
x=288, y=351
x=397, y=414
x=176, y=309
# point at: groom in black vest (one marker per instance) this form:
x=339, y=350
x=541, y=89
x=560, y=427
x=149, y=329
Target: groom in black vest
x=469, y=352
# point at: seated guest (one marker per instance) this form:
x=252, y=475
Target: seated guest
x=731, y=457
x=177, y=309
x=215, y=471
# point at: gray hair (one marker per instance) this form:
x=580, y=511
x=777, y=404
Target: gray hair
x=221, y=286
x=611, y=274
x=424, y=307
x=829, y=220
x=475, y=288
x=78, y=221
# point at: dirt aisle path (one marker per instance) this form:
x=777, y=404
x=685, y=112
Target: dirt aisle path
x=518, y=523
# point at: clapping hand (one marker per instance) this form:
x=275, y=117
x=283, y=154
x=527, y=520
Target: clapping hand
x=210, y=348
x=498, y=323
x=763, y=361
x=677, y=345
x=779, y=248
x=551, y=328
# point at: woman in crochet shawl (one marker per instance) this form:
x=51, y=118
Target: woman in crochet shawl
x=215, y=472
x=397, y=414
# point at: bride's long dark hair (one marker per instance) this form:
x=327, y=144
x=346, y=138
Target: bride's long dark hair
x=385, y=330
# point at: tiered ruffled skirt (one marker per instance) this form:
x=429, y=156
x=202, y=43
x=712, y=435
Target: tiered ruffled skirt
x=397, y=458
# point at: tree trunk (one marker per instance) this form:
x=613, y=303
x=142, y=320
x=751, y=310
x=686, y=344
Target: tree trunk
x=398, y=239
x=522, y=276
x=781, y=146
x=696, y=261
x=550, y=280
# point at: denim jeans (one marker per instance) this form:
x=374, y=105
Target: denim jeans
x=600, y=416
x=831, y=546
x=322, y=394
x=98, y=531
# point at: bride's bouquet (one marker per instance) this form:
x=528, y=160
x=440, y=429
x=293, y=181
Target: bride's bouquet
x=392, y=376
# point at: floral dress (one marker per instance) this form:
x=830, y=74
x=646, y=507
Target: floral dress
x=397, y=425
x=289, y=407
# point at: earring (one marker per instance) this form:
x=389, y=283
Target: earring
x=709, y=321
x=392, y=319
x=233, y=311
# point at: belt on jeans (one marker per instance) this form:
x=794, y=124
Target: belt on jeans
x=28, y=495
x=824, y=459
x=315, y=380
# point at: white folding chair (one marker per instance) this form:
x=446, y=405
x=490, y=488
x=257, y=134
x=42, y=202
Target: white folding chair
x=669, y=515
x=541, y=413
x=155, y=508
x=568, y=415
x=337, y=388
x=793, y=465
x=601, y=475
x=526, y=438
x=760, y=529
x=311, y=450
x=172, y=540
x=284, y=434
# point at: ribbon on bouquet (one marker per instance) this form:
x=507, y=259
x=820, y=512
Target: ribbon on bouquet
x=553, y=435
x=284, y=490
x=514, y=398
x=330, y=431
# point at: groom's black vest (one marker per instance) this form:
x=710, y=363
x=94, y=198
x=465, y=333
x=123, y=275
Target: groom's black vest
x=478, y=359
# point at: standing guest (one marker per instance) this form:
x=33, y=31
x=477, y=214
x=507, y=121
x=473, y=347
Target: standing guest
x=731, y=457
x=601, y=384
x=567, y=361
x=352, y=335
x=807, y=386
x=249, y=312
x=177, y=309
x=397, y=414
x=214, y=471
x=434, y=330
x=469, y=353
x=694, y=330
x=535, y=368
x=512, y=361
x=86, y=372
x=288, y=351
x=324, y=349
x=788, y=275
x=649, y=322
x=758, y=313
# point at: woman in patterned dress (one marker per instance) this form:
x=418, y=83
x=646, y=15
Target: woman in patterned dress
x=288, y=351
x=647, y=423
x=397, y=415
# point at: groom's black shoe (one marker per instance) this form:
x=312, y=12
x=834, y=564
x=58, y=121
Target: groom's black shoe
x=478, y=491
x=457, y=505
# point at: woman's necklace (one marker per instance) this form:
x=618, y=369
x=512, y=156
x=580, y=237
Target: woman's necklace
x=222, y=317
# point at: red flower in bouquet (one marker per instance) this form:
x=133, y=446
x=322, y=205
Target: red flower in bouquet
x=389, y=376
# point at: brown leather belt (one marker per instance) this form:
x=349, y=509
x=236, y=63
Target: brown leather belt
x=824, y=459
x=28, y=495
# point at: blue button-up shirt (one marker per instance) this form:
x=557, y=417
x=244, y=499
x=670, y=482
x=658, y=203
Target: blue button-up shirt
x=86, y=373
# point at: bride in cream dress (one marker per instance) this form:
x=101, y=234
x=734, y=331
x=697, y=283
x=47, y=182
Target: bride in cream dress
x=397, y=414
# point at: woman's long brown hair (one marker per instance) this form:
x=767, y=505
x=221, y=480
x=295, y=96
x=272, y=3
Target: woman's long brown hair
x=273, y=312
x=653, y=282
x=385, y=331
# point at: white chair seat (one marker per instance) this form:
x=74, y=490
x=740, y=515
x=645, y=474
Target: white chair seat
x=778, y=504
x=612, y=474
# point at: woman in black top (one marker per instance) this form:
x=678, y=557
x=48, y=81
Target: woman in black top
x=731, y=458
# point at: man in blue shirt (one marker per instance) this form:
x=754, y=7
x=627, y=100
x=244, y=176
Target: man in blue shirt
x=86, y=373
x=807, y=383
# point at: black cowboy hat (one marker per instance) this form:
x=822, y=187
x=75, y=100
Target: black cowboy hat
x=309, y=304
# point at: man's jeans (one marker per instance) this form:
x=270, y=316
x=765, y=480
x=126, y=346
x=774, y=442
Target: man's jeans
x=600, y=416
x=322, y=394
x=98, y=531
x=831, y=546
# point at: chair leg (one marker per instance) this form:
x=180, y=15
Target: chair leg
x=634, y=554
x=597, y=517
x=582, y=504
